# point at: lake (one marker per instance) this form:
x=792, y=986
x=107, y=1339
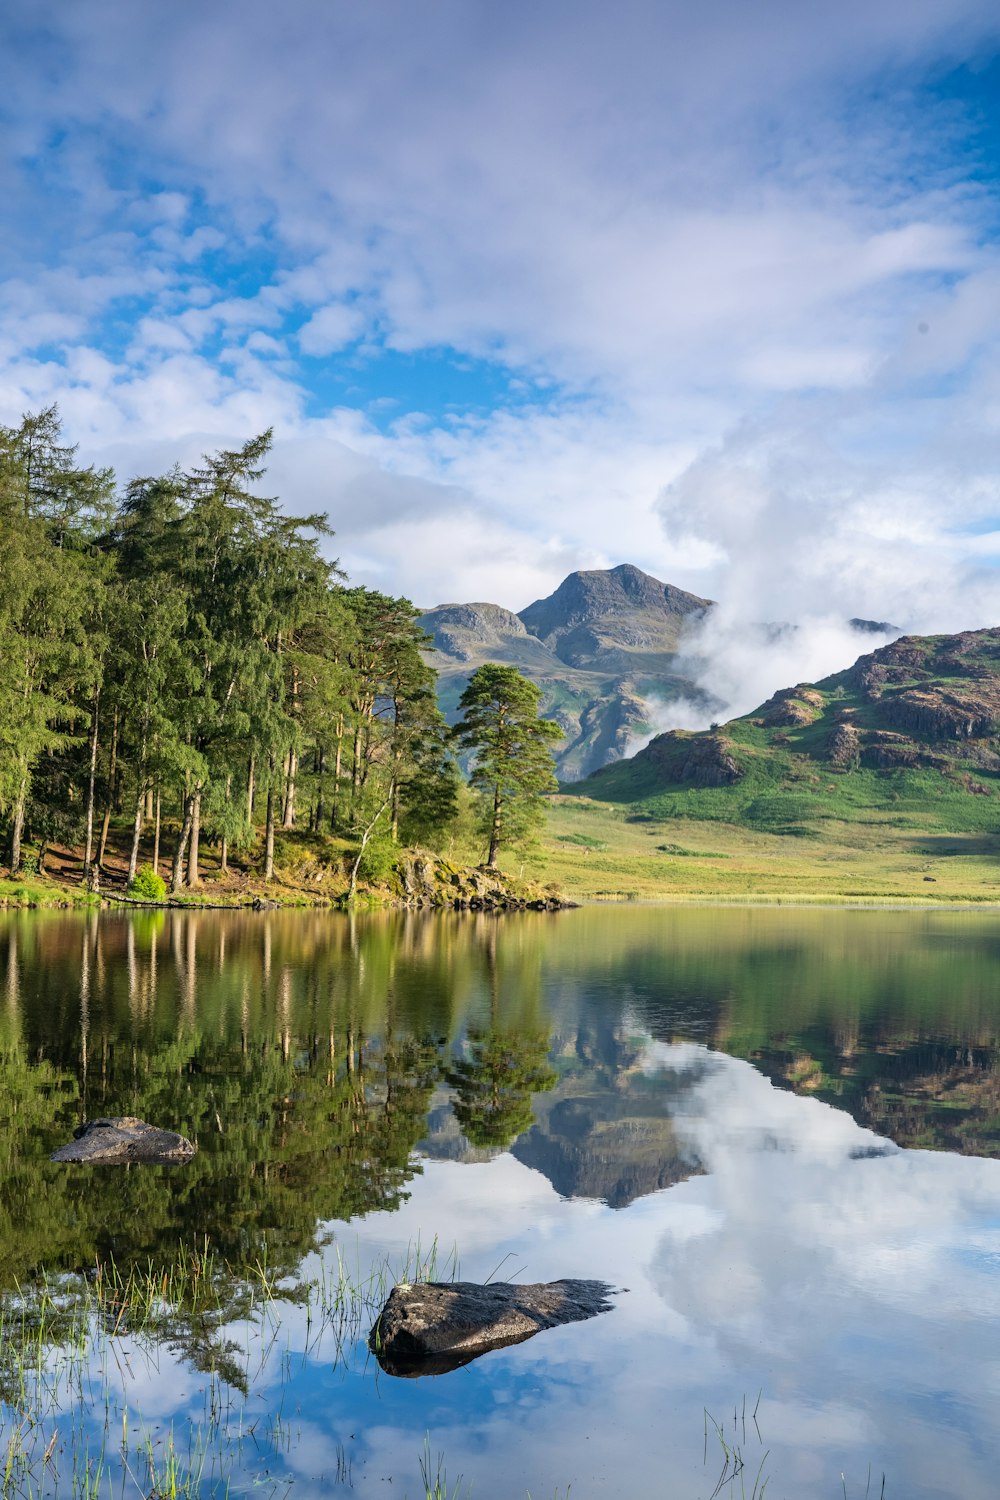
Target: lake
x=773, y=1130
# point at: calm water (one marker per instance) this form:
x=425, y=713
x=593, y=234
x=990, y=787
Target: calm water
x=776, y=1129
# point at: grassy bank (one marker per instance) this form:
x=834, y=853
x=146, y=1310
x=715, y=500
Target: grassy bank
x=42, y=891
x=311, y=870
x=628, y=851
x=648, y=849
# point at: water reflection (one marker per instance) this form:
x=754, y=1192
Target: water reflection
x=706, y=1107
x=310, y=1055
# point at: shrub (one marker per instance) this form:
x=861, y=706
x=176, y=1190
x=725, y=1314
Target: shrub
x=148, y=884
x=378, y=859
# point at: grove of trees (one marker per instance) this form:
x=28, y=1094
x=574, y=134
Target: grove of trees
x=179, y=659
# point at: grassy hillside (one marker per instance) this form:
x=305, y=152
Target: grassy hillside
x=880, y=780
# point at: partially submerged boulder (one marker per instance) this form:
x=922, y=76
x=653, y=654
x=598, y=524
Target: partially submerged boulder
x=431, y=1327
x=125, y=1139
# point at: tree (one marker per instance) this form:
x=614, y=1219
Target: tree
x=495, y=1084
x=512, y=766
x=50, y=603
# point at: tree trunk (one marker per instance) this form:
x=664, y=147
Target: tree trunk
x=17, y=826
x=142, y=792
x=495, y=830
x=102, y=845
x=338, y=762
x=288, y=811
x=133, y=858
x=353, y=891
x=224, y=855
x=156, y=835
x=251, y=788
x=177, y=874
x=112, y=772
x=269, y=829
x=193, y=876
x=356, y=761
x=88, y=852
x=321, y=771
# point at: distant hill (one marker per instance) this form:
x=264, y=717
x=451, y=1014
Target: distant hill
x=911, y=727
x=600, y=647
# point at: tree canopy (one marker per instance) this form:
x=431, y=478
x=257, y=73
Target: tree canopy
x=512, y=764
x=181, y=655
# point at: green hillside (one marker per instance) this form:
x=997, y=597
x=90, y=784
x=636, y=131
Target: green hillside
x=882, y=780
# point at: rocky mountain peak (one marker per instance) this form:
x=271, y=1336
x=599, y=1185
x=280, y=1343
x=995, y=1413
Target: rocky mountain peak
x=600, y=647
x=600, y=616
x=588, y=596
x=464, y=631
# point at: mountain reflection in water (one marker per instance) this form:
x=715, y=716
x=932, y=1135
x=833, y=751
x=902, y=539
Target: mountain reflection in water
x=528, y=1087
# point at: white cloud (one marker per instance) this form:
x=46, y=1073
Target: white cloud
x=331, y=328
x=734, y=257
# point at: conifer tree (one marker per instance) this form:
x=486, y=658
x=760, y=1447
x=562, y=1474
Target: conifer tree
x=513, y=766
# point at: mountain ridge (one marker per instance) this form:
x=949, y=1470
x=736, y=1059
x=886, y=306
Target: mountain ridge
x=600, y=647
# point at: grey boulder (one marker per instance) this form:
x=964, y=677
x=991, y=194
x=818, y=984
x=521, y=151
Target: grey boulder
x=431, y=1327
x=125, y=1139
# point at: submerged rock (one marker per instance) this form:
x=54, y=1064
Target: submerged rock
x=125, y=1139
x=432, y=1327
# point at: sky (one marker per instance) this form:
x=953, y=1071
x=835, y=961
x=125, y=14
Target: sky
x=713, y=289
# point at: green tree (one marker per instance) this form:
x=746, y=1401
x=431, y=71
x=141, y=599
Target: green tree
x=50, y=605
x=495, y=1083
x=251, y=577
x=513, y=765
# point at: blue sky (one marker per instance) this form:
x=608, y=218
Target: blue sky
x=714, y=289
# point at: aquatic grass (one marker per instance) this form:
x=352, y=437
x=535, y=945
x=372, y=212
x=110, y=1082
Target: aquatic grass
x=54, y=1334
x=734, y=1463
x=418, y=1265
x=60, y=1343
x=166, y=1477
x=868, y=1486
x=434, y=1476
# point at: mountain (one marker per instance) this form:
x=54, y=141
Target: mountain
x=620, y=620
x=600, y=648
x=912, y=726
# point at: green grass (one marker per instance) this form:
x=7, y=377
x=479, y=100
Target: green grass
x=41, y=892
x=794, y=825
x=666, y=856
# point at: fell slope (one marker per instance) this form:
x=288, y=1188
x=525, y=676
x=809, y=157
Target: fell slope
x=910, y=734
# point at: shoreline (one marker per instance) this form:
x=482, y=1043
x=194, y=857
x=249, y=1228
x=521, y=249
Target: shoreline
x=56, y=897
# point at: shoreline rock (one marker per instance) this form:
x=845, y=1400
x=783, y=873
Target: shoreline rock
x=432, y=1327
x=125, y=1139
x=427, y=882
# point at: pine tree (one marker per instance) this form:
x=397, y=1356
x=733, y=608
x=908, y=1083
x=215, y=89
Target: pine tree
x=513, y=765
